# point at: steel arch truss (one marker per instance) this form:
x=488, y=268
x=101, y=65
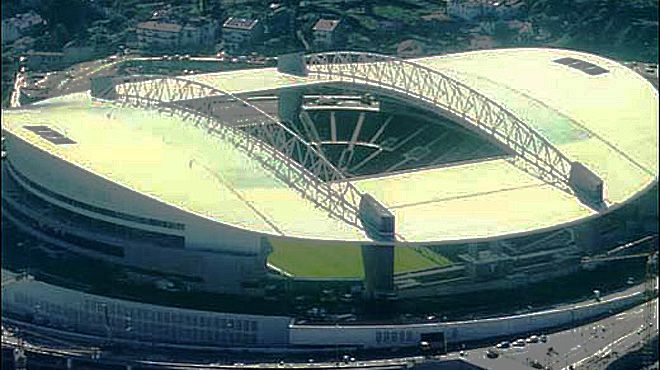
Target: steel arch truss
x=299, y=164
x=440, y=91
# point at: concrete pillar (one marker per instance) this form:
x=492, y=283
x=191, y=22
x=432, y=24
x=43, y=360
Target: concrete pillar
x=587, y=238
x=378, y=264
x=103, y=88
x=647, y=210
x=390, y=107
x=587, y=185
x=293, y=64
x=289, y=104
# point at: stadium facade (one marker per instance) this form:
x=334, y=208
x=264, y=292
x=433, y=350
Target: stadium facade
x=408, y=177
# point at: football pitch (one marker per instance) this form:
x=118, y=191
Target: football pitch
x=318, y=259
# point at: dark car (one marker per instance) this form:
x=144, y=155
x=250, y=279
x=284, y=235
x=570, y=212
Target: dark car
x=536, y=364
x=492, y=353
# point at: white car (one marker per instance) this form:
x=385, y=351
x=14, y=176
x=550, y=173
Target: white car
x=518, y=343
x=533, y=339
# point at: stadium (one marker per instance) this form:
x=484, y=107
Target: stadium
x=375, y=176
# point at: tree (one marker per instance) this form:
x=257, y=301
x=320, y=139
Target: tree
x=73, y=15
x=60, y=36
x=98, y=37
x=503, y=32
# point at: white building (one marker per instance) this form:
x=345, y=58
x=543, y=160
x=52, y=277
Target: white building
x=170, y=35
x=239, y=34
x=158, y=35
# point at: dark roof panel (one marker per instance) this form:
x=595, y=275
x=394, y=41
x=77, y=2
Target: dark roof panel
x=49, y=134
x=581, y=65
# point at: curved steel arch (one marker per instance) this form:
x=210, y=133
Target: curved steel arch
x=279, y=149
x=447, y=95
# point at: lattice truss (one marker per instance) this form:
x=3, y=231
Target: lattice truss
x=293, y=160
x=539, y=156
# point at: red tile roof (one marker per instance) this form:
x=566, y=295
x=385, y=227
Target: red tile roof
x=327, y=25
x=160, y=26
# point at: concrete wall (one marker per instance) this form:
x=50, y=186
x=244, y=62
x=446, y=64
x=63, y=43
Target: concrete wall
x=95, y=315
x=383, y=336
x=84, y=313
x=378, y=269
x=221, y=254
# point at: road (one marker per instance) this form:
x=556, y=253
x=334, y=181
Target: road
x=82, y=73
x=579, y=347
x=582, y=347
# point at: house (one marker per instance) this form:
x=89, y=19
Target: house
x=471, y=10
x=328, y=33
x=410, y=49
x=158, y=35
x=44, y=60
x=164, y=35
x=16, y=27
x=240, y=34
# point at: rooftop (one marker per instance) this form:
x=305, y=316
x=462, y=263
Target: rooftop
x=44, y=53
x=240, y=23
x=493, y=3
x=579, y=113
x=159, y=26
x=195, y=172
x=327, y=25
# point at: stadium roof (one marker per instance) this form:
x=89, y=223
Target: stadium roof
x=607, y=121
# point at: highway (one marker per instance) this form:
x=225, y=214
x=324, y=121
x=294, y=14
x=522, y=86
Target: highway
x=591, y=346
